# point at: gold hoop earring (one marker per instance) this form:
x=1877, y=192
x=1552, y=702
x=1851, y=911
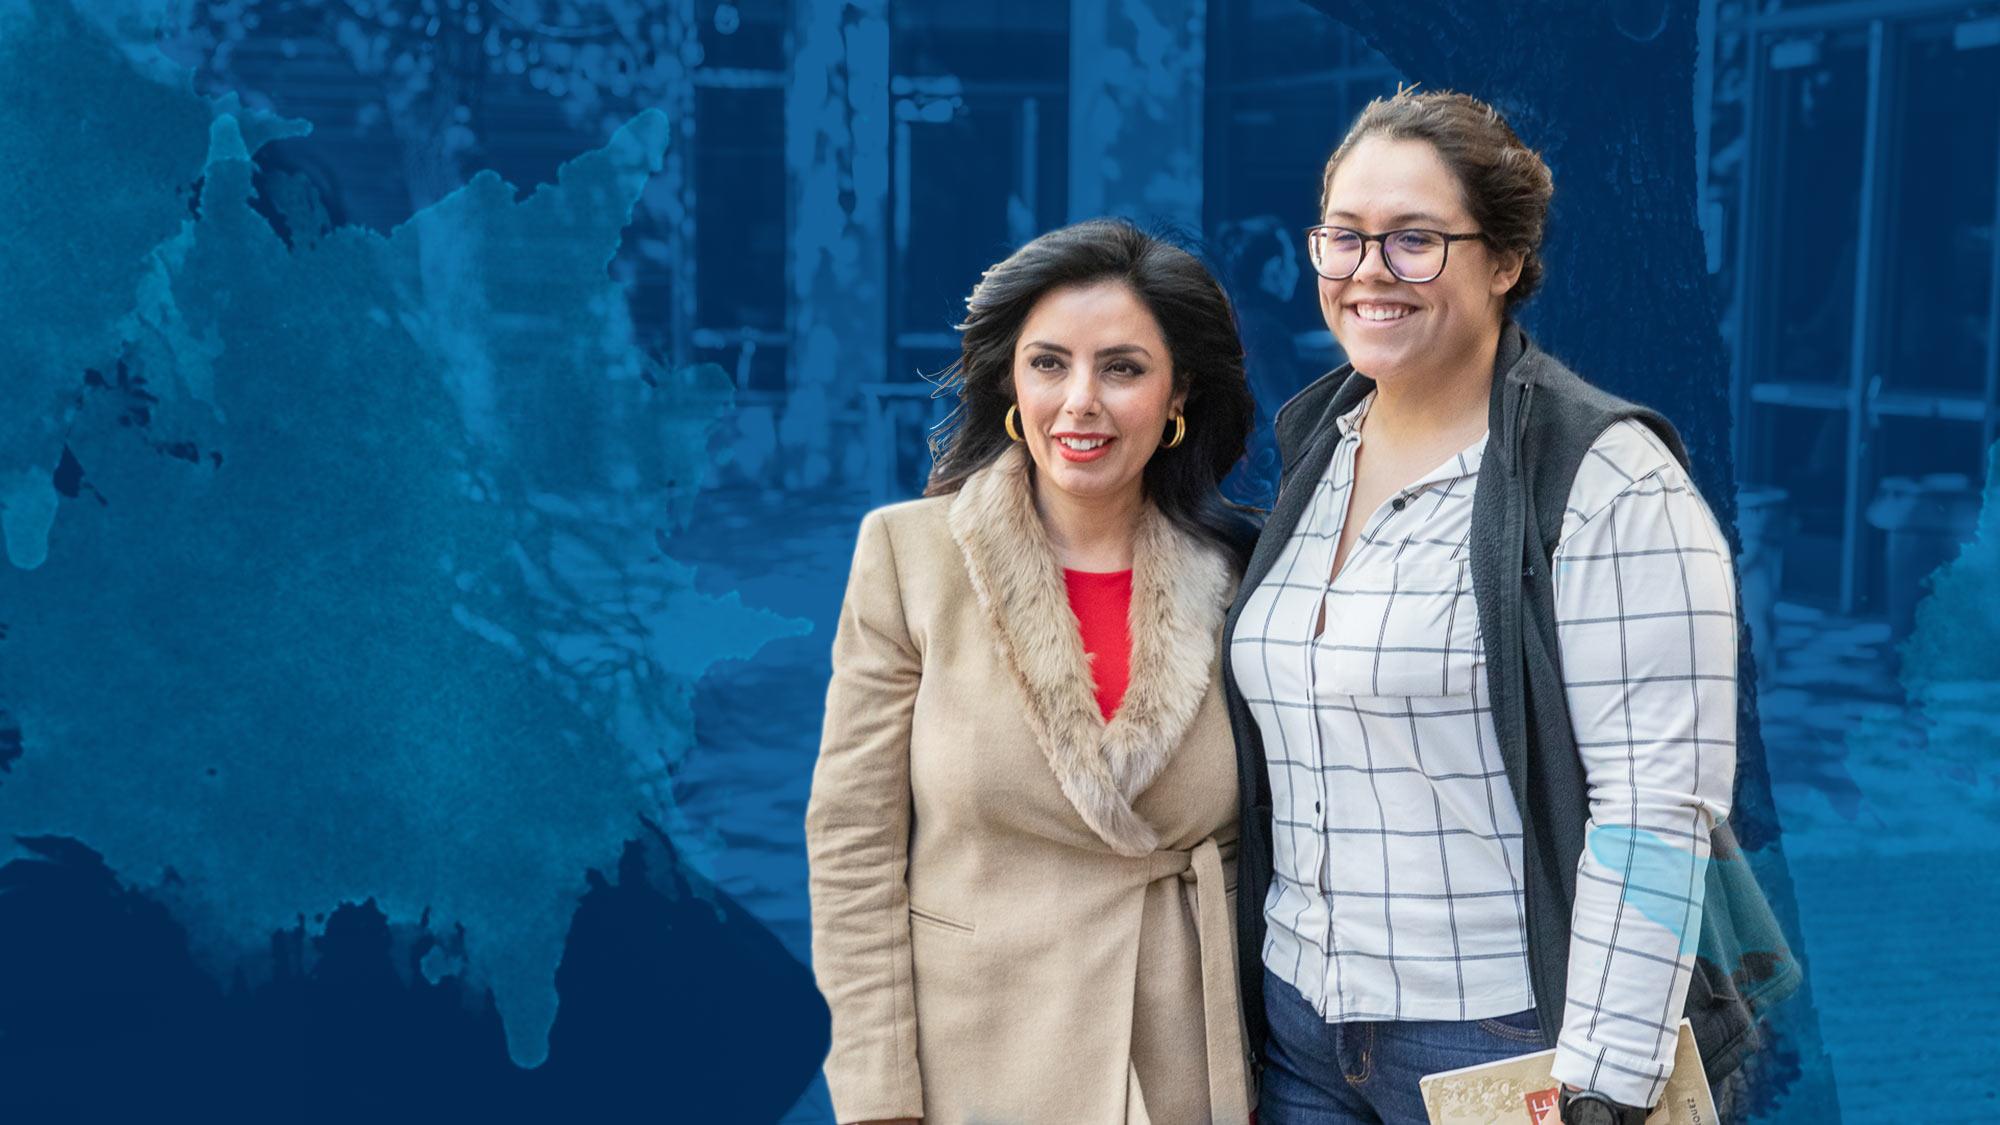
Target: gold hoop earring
x=1180, y=431
x=1012, y=413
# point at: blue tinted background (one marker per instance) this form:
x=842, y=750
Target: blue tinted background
x=434, y=432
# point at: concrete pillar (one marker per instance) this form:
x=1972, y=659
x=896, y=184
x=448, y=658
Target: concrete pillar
x=1136, y=100
x=837, y=172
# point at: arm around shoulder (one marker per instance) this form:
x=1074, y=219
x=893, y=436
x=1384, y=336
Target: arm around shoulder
x=857, y=844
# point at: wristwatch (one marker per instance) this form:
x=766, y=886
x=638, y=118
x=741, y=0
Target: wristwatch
x=1588, y=1107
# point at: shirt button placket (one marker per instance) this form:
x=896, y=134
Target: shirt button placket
x=1319, y=775
x=1327, y=999
x=1344, y=462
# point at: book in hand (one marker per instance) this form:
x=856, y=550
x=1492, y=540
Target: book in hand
x=1519, y=1091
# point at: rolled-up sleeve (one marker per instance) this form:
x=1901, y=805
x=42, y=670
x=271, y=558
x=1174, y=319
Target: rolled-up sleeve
x=1646, y=610
x=857, y=844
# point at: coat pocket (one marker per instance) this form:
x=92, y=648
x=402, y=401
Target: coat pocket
x=1399, y=629
x=939, y=921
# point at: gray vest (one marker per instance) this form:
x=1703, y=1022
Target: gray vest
x=1541, y=422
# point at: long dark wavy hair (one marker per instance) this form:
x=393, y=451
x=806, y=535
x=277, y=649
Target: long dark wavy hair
x=1199, y=325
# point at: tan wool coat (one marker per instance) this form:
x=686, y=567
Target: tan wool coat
x=1021, y=913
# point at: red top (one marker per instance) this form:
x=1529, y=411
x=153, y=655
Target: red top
x=1103, y=605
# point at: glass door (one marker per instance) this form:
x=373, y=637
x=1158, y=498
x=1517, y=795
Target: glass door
x=1814, y=130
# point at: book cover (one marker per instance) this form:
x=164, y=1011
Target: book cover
x=1519, y=1091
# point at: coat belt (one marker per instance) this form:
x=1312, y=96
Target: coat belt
x=1201, y=873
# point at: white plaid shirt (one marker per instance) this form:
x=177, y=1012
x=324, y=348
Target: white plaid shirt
x=1397, y=890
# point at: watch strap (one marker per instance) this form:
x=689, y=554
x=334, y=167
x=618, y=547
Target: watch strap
x=1619, y=1112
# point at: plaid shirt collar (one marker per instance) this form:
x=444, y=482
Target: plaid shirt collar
x=1464, y=463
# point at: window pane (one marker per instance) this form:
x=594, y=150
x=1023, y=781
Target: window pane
x=1940, y=259
x=739, y=181
x=1815, y=127
x=967, y=202
x=1805, y=452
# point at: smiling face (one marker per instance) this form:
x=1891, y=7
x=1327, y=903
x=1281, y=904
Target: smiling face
x=1393, y=329
x=1095, y=384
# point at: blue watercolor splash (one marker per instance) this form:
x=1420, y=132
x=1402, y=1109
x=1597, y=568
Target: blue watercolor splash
x=1658, y=875
x=1930, y=769
x=1951, y=664
x=332, y=559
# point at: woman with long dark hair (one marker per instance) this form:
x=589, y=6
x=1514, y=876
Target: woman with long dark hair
x=1025, y=801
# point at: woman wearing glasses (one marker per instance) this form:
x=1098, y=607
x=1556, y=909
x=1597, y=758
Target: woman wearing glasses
x=1025, y=805
x=1478, y=789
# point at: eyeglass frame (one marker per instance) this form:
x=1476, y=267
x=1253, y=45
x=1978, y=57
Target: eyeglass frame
x=1382, y=238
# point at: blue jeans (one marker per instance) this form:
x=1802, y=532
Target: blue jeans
x=1364, y=1073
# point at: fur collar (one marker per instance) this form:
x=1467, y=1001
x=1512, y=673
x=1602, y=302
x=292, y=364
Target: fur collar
x=1181, y=588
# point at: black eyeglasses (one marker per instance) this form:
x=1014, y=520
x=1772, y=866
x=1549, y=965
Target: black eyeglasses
x=1414, y=254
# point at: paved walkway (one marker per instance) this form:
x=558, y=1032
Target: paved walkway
x=1895, y=858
